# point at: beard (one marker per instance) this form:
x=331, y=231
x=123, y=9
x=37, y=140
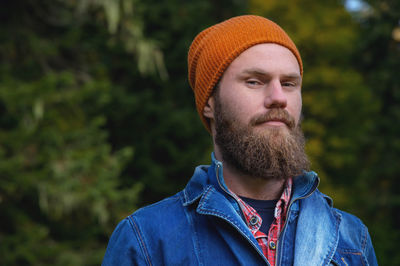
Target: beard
x=267, y=152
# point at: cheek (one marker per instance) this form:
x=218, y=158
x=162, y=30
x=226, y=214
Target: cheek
x=295, y=107
x=240, y=109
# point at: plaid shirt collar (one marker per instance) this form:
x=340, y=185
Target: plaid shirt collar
x=267, y=240
x=253, y=219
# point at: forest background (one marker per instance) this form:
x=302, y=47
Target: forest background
x=97, y=117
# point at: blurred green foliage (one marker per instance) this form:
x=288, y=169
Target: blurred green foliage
x=98, y=119
x=378, y=57
x=351, y=96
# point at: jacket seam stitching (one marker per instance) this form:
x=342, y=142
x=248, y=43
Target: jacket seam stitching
x=344, y=250
x=141, y=240
x=364, y=243
x=353, y=253
x=364, y=239
x=329, y=258
x=185, y=197
x=195, y=237
x=206, y=192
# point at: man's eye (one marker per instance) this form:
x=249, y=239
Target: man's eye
x=288, y=84
x=253, y=82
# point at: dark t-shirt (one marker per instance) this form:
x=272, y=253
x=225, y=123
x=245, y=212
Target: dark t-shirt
x=265, y=208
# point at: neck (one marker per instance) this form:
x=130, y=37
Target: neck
x=250, y=186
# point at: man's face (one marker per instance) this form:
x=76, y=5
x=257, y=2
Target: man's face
x=257, y=110
x=262, y=78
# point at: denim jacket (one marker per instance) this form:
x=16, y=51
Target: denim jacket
x=203, y=225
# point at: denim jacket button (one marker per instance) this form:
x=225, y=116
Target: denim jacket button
x=253, y=220
x=272, y=245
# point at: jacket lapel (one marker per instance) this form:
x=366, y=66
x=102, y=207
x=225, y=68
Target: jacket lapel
x=317, y=233
x=214, y=203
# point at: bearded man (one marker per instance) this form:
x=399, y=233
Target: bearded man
x=257, y=203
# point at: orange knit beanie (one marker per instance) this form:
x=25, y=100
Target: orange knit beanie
x=216, y=47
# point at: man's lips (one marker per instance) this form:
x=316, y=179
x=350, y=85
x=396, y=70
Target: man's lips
x=276, y=123
x=273, y=122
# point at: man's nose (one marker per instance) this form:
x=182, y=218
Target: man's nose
x=275, y=96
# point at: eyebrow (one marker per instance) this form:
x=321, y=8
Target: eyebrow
x=261, y=72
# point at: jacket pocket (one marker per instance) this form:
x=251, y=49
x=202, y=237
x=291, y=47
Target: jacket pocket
x=348, y=257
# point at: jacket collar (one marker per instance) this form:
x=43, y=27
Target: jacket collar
x=304, y=185
x=197, y=185
x=205, y=176
x=212, y=175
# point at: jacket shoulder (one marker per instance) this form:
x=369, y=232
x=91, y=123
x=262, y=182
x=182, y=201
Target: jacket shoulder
x=159, y=208
x=134, y=238
x=354, y=234
x=162, y=217
x=354, y=238
x=352, y=230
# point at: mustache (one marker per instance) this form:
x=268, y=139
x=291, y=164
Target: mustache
x=276, y=114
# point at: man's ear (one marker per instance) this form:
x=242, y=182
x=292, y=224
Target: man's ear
x=208, y=110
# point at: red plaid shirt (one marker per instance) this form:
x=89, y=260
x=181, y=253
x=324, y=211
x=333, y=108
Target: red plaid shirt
x=268, y=243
